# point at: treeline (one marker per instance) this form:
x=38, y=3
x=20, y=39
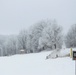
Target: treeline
x=44, y=35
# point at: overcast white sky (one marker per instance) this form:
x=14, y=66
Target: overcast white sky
x=20, y=14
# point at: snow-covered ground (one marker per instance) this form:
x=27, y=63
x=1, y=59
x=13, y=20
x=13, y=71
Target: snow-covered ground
x=36, y=64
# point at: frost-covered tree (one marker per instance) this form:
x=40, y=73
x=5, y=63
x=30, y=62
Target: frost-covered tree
x=70, y=40
x=42, y=35
x=35, y=33
x=10, y=45
x=51, y=37
x=22, y=40
x=2, y=41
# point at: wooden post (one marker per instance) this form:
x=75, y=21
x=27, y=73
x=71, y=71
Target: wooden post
x=71, y=53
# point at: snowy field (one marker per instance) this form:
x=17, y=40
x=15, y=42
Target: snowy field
x=36, y=64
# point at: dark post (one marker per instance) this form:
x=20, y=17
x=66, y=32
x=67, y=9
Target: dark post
x=75, y=67
x=74, y=58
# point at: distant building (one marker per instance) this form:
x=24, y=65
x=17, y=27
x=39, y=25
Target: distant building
x=22, y=51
